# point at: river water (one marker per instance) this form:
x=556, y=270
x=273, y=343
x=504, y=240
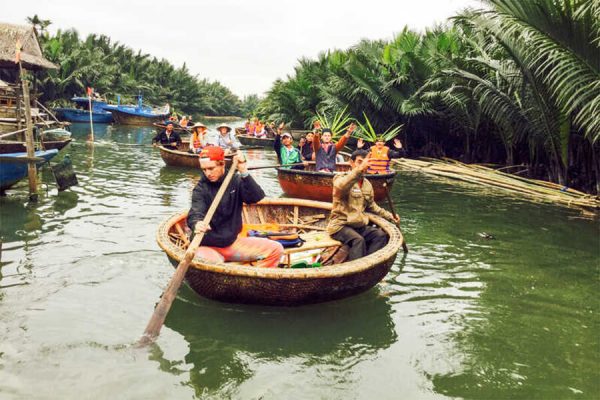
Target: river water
x=460, y=316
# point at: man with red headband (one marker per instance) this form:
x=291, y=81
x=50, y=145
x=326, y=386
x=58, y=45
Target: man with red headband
x=221, y=242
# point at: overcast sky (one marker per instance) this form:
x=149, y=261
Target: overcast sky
x=245, y=45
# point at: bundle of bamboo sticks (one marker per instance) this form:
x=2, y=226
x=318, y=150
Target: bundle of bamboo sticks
x=537, y=190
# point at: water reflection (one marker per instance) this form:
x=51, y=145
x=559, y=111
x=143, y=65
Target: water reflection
x=226, y=342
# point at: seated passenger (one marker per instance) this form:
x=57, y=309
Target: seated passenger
x=352, y=196
x=221, y=242
x=287, y=153
x=226, y=139
x=198, y=138
x=326, y=151
x=168, y=138
x=379, y=162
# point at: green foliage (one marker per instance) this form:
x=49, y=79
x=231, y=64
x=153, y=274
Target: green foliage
x=113, y=69
x=368, y=133
x=338, y=123
x=518, y=82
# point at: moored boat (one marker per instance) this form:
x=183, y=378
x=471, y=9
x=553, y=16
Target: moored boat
x=13, y=166
x=237, y=283
x=312, y=185
x=77, y=115
x=249, y=140
x=10, y=146
x=127, y=116
x=82, y=113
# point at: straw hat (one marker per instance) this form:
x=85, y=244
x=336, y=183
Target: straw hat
x=224, y=126
x=199, y=125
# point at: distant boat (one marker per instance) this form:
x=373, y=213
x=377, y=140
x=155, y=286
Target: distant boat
x=139, y=115
x=99, y=114
x=13, y=166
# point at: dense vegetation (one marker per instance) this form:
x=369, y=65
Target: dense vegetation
x=517, y=83
x=114, y=69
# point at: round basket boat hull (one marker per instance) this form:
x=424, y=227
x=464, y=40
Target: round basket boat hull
x=288, y=292
x=283, y=286
x=181, y=158
x=319, y=185
x=248, y=140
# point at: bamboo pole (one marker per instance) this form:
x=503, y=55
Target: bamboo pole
x=541, y=191
x=31, y=170
x=91, y=139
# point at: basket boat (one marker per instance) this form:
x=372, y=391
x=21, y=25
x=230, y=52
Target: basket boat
x=249, y=140
x=312, y=185
x=181, y=157
x=237, y=283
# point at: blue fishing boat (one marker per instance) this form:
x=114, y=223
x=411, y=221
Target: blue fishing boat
x=82, y=114
x=140, y=114
x=76, y=115
x=13, y=166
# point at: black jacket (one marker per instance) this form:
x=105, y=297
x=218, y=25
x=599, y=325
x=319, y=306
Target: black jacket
x=226, y=223
x=307, y=151
x=171, y=141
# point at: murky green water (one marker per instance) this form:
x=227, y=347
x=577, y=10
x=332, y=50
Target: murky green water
x=460, y=316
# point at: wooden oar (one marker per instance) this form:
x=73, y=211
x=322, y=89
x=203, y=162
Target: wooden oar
x=274, y=166
x=391, y=204
x=162, y=308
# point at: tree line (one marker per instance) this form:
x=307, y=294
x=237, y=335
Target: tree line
x=517, y=83
x=112, y=69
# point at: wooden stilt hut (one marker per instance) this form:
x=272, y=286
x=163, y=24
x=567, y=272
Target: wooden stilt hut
x=19, y=52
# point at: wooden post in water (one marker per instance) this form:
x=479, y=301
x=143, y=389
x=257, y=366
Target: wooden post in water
x=91, y=139
x=31, y=170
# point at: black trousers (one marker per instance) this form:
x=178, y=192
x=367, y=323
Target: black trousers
x=361, y=241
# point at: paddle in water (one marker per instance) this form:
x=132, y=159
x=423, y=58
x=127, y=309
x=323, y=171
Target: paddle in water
x=391, y=203
x=164, y=305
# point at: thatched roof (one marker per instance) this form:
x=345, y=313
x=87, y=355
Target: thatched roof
x=31, y=54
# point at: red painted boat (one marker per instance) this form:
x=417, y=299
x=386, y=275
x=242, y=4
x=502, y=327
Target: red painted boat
x=312, y=185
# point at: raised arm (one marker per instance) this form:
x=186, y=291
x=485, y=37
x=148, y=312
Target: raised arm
x=277, y=145
x=342, y=142
x=316, y=143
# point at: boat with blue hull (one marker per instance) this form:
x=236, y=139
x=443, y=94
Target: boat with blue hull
x=77, y=115
x=100, y=114
x=13, y=166
x=140, y=115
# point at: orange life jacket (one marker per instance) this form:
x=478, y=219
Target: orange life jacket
x=196, y=141
x=379, y=163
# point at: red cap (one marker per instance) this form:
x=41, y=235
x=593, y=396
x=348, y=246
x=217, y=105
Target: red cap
x=213, y=153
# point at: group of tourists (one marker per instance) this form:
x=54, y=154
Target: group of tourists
x=199, y=138
x=184, y=122
x=353, y=194
x=257, y=128
x=318, y=146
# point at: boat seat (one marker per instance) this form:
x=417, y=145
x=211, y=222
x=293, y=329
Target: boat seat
x=312, y=241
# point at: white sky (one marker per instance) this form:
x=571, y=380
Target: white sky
x=245, y=45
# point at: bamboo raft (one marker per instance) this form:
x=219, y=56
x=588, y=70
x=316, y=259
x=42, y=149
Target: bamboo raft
x=541, y=191
x=239, y=283
x=312, y=185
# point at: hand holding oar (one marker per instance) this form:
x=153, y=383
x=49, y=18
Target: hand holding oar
x=391, y=204
x=162, y=308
